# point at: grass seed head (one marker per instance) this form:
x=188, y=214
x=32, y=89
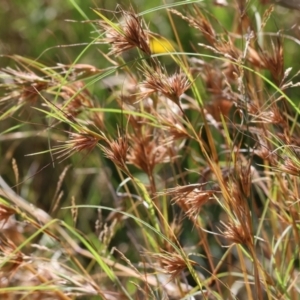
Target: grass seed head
x=290, y=166
x=200, y=23
x=146, y=152
x=274, y=61
x=190, y=198
x=171, y=263
x=21, y=85
x=78, y=142
x=172, y=87
x=7, y=249
x=126, y=35
x=238, y=233
x=117, y=151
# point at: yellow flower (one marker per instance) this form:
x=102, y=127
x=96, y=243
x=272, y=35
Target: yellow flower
x=159, y=44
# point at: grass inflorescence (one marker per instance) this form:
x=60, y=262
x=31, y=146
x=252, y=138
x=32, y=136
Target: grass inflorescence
x=180, y=181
